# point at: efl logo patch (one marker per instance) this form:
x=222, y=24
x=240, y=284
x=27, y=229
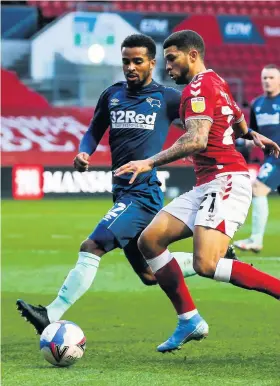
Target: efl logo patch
x=198, y=104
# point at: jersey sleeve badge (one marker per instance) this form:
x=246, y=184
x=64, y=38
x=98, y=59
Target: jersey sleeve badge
x=198, y=104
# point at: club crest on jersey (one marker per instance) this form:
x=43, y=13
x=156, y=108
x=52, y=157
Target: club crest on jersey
x=153, y=102
x=198, y=104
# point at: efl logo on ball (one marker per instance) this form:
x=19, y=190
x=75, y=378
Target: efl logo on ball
x=62, y=343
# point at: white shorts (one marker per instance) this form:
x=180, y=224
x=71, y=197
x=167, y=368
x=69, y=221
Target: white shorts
x=220, y=204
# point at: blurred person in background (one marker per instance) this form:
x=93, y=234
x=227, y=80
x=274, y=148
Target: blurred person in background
x=265, y=119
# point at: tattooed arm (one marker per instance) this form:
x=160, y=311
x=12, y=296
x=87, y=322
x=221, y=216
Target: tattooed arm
x=192, y=142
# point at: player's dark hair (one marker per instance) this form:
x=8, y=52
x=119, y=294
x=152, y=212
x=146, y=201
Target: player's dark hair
x=186, y=40
x=272, y=66
x=140, y=40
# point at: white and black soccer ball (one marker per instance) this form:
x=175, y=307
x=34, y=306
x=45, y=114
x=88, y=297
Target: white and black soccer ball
x=62, y=343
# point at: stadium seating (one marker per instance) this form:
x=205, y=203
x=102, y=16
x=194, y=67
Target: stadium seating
x=236, y=62
x=52, y=9
x=254, y=8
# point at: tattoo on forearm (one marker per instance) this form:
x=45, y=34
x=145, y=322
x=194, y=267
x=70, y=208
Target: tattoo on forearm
x=193, y=141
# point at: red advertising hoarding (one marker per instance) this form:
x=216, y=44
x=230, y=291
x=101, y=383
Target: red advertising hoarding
x=51, y=136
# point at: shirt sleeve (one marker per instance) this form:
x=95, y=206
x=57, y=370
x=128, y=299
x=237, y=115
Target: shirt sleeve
x=238, y=115
x=199, y=102
x=253, y=122
x=173, y=100
x=97, y=127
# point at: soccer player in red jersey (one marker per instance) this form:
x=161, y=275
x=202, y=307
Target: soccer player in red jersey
x=218, y=205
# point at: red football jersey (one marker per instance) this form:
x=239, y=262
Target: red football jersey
x=208, y=97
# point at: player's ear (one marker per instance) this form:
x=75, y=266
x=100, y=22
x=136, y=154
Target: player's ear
x=193, y=54
x=152, y=63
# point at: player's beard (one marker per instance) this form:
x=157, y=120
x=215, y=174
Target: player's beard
x=135, y=85
x=139, y=83
x=183, y=78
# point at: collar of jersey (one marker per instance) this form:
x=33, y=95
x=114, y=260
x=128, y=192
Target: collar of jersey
x=202, y=72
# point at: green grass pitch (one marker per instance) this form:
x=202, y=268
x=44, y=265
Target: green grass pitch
x=122, y=319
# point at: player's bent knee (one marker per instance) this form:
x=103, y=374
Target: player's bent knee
x=91, y=246
x=147, y=279
x=102, y=240
x=150, y=244
x=144, y=243
x=204, y=267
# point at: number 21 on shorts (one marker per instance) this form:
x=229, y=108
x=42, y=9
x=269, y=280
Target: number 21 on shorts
x=211, y=202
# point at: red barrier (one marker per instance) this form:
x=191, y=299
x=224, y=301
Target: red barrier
x=51, y=136
x=15, y=94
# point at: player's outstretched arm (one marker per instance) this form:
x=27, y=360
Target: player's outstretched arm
x=87, y=147
x=92, y=137
x=265, y=143
x=193, y=141
x=259, y=140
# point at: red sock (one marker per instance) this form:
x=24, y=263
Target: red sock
x=245, y=276
x=171, y=280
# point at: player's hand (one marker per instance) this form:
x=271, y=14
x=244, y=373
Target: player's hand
x=81, y=162
x=135, y=167
x=266, y=143
x=274, y=149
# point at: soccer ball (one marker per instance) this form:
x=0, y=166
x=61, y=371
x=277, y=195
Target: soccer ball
x=62, y=343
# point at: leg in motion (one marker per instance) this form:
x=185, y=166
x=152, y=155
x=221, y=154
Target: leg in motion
x=185, y=260
x=138, y=263
x=79, y=279
x=153, y=244
x=260, y=213
x=113, y=231
x=76, y=284
x=207, y=263
x=211, y=242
